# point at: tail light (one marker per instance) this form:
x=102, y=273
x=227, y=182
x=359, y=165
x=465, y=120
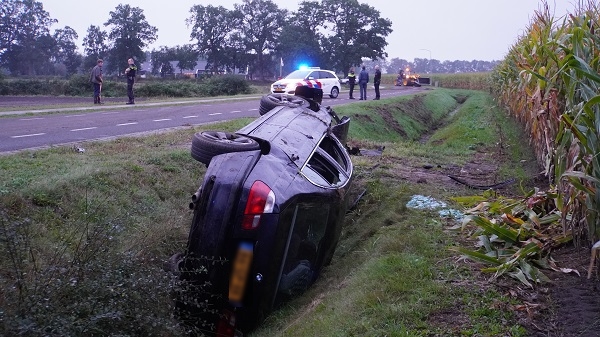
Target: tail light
x=261, y=200
x=226, y=325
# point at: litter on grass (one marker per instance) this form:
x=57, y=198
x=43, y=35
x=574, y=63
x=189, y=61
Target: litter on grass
x=428, y=203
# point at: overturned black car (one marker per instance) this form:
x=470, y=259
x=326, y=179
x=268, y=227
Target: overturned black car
x=267, y=215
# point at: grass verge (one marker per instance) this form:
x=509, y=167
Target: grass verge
x=85, y=234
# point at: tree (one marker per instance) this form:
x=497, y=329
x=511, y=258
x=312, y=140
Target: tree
x=213, y=29
x=357, y=31
x=395, y=64
x=261, y=24
x=94, y=46
x=129, y=33
x=66, y=50
x=9, y=21
x=299, y=41
x=161, y=61
x=25, y=28
x=186, y=57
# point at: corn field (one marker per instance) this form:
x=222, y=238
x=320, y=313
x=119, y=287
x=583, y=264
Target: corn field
x=469, y=81
x=550, y=82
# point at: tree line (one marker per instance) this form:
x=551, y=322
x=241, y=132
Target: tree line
x=256, y=36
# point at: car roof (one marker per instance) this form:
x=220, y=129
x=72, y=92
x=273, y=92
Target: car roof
x=302, y=73
x=296, y=131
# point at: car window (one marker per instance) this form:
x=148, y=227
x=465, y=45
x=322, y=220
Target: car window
x=324, y=173
x=327, y=167
x=304, y=240
x=314, y=75
x=334, y=151
x=325, y=74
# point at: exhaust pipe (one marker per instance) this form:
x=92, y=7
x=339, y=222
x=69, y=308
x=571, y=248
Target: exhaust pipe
x=196, y=197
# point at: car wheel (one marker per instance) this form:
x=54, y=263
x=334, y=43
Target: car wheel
x=334, y=92
x=207, y=144
x=271, y=101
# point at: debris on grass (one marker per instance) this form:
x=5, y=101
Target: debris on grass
x=429, y=203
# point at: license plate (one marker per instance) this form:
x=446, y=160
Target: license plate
x=239, y=273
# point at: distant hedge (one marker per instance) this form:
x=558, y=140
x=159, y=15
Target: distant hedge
x=79, y=85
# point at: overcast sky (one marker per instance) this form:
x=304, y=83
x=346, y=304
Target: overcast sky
x=440, y=29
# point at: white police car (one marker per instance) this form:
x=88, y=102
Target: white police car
x=325, y=79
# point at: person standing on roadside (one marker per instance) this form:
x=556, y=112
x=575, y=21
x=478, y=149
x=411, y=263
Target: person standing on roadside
x=130, y=73
x=351, y=81
x=363, y=79
x=96, y=79
x=376, y=82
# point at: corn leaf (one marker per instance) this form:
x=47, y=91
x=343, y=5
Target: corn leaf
x=477, y=255
x=506, y=234
x=521, y=277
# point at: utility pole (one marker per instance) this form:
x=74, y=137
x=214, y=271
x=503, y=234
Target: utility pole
x=428, y=63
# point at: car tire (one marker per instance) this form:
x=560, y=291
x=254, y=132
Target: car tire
x=271, y=101
x=207, y=144
x=334, y=92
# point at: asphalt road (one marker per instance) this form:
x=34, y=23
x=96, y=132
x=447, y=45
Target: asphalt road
x=72, y=125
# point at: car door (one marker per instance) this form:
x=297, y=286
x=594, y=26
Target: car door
x=317, y=219
x=326, y=79
x=315, y=75
x=300, y=261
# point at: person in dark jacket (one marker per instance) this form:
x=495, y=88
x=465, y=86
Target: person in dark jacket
x=363, y=79
x=376, y=82
x=96, y=79
x=130, y=73
x=351, y=81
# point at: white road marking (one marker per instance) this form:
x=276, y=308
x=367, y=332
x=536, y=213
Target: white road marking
x=162, y=120
x=234, y=111
x=133, y=123
x=30, y=135
x=216, y=113
x=68, y=116
x=190, y=117
x=252, y=109
x=111, y=113
x=83, y=129
x=30, y=119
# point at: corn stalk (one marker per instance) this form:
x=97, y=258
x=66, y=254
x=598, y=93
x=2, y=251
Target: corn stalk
x=550, y=82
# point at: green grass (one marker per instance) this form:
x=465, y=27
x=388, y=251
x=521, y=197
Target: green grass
x=398, y=119
x=85, y=234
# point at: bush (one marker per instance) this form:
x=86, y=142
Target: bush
x=213, y=86
x=79, y=85
x=228, y=85
x=84, y=286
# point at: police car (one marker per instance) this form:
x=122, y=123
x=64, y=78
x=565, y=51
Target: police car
x=313, y=76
